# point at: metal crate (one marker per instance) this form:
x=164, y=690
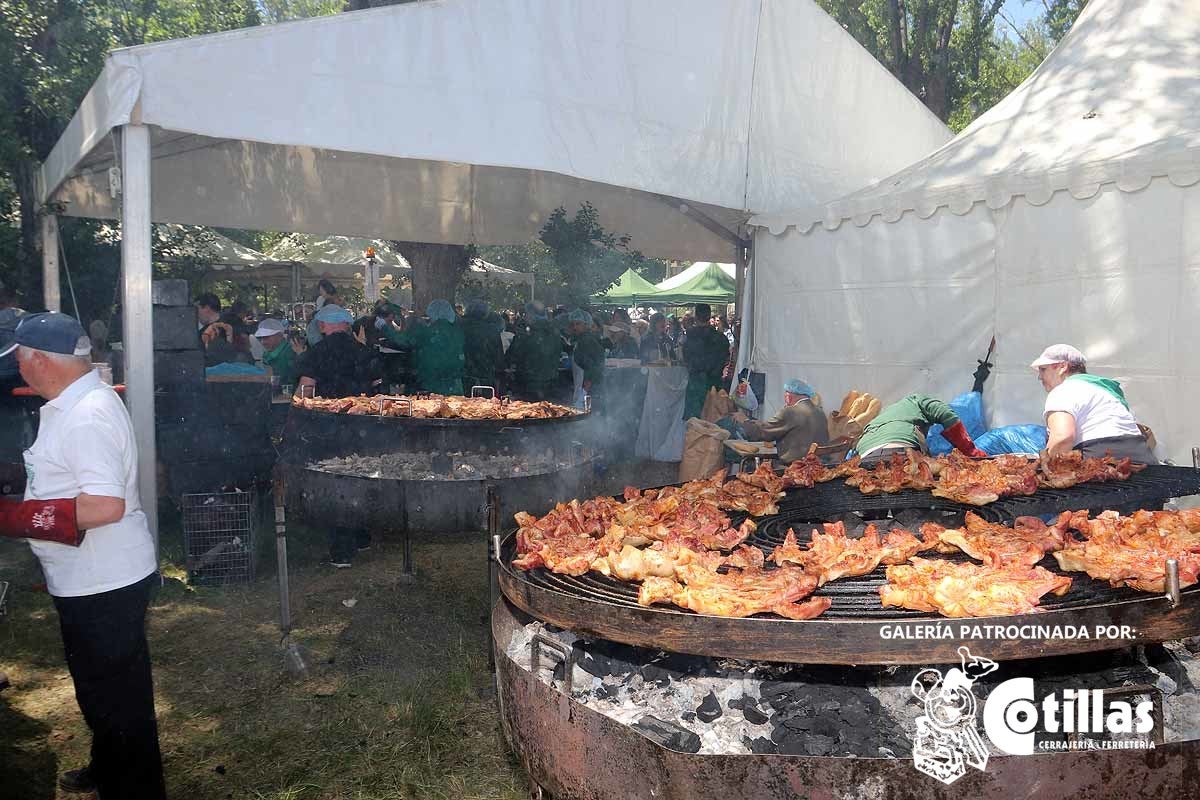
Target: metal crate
x=218, y=537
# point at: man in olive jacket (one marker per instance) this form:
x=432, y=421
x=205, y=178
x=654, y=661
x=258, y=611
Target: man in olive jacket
x=798, y=425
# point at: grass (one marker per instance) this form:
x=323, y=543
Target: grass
x=396, y=701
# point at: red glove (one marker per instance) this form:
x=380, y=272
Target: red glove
x=957, y=435
x=47, y=520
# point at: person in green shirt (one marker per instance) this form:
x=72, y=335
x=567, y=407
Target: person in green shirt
x=278, y=353
x=437, y=348
x=904, y=424
x=587, y=351
x=535, y=356
x=482, y=348
x=706, y=352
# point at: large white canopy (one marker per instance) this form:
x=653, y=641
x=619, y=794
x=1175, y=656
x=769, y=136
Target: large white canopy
x=465, y=121
x=1067, y=213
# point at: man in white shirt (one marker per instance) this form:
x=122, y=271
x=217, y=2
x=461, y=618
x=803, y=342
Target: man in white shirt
x=85, y=450
x=1086, y=412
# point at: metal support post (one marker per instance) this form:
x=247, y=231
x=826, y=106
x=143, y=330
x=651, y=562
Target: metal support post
x=51, y=291
x=138, y=333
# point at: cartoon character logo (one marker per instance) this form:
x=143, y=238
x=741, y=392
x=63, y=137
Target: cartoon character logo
x=947, y=740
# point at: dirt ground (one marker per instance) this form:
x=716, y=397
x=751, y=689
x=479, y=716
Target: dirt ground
x=396, y=701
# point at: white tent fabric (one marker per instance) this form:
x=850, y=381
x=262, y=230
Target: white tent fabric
x=1068, y=213
x=486, y=271
x=536, y=104
x=691, y=272
x=337, y=256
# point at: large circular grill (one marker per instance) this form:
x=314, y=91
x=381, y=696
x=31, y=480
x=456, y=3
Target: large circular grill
x=559, y=448
x=855, y=628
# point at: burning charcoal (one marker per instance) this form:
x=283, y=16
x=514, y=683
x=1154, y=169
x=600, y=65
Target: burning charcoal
x=760, y=746
x=824, y=726
x=668, y=734
x=653, y=673
x=818, y=745
x=688, y=716
x=607, y=692
x=798, y=722
x=710, y=709
x=752, y=714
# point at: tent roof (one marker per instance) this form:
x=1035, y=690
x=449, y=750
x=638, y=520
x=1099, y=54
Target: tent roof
x=630, y=288
x=692, y=272
x=1117, y=102
x=699, y=283
x=337, y=256
x=370, y=123
x=494, y=273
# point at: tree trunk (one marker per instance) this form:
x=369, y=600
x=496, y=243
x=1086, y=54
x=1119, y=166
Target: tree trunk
x=29, y=262
x=436, y=270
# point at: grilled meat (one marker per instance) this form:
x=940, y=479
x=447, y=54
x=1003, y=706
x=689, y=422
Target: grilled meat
x=908, y=470
x=435, y=407
x=1026, y=543
x=978, y=482
x=1069, y=469
x=738, y=593
x=832, y=554
x=1133, y=551
x=809, y=471
x=968, y=590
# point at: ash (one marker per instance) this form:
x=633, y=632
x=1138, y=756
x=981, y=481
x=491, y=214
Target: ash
x=720, y=706
x=420, y=466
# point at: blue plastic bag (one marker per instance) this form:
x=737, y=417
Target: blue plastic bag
x=969, y=407
x=1013, y=439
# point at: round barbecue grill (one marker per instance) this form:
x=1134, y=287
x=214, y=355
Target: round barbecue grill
x=857, y=629
x=531, y=464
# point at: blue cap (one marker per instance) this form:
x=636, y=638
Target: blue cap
x=440, y=310
x=50, y=332
x=333, y=314
x=796, y=386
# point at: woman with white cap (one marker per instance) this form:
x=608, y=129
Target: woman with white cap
x=1086, y=412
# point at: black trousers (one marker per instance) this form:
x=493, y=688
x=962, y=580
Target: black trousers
x=104, y=636
x=1134, y=447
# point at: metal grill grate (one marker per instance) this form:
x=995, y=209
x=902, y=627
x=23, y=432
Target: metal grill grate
x=218, y=537
x=858, y=598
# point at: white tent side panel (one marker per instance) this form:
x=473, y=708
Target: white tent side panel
x=811, y=78
x=895, y=308
x=866, y=309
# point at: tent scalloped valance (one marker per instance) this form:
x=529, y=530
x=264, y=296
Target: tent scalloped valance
x=1181, y=168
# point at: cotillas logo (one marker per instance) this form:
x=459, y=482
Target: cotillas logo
x=947, y=740
x=1012, y=718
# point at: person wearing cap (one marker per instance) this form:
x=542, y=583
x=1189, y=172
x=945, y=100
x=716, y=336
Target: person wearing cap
x=437, y=349
x=904, y=425
x=327, y=294
x=535, y=355
x=587, y=351
x=1086, y=412
x=337, y=365
x=705, y=351
x=483, y=349
x=656, y=342
x=85, y=453
x=798, y=426
x=278, y=352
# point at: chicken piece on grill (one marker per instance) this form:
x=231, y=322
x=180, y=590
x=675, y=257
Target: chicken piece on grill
x=832, y=554
x=968, y=589
x=809, y=471
x=1069, y=469
x=436, y=406
x=1025, y=543
x=1133, y=551
x=763, y=477
x=663, y=558
x=738, y=593
x=908, y=470
x=978, y=482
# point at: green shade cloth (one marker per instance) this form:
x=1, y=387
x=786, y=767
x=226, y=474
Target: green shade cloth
x=629, y=290
x=710, y=284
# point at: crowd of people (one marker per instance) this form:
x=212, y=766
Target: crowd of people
x=533, y=353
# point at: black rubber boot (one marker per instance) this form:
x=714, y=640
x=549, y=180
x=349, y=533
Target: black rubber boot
x=77, y=781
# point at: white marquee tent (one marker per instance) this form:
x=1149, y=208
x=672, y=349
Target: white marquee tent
x=1068, y=212
x=521, y=106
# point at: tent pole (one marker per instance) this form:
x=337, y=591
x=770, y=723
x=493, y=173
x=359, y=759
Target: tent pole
x=740, y=273
x=138, y=333
x=51, y=293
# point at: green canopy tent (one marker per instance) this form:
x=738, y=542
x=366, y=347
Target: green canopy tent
x=703, y=282
x=630, y=289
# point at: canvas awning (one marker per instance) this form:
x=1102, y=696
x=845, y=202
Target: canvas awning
x=630, y=289
x=703, y=282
